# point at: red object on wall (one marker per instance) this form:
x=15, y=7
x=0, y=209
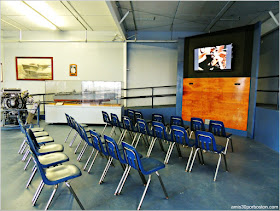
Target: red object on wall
x=223, y=99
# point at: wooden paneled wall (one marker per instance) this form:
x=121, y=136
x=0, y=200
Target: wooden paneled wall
x=223, y=99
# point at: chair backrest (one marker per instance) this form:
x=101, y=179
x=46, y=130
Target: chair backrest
x=82, y=132
x=97, y=143
x=179, y=135
x=131, y=156
x=176, y=120
x=33, y=139
x=113, y=149
x=106, y=117
x=68, y=120
x=127, y=123
x=142, y=126
x=197, y=124
x=115, y=120
x=138, y=114
x=38, y=164
x=131, y=115
x=217, y=128
x=72, y=122
x=205, y=140
x=159, y=130
x=158, y=118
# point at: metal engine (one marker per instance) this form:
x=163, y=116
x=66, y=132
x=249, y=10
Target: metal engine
x=13, y=101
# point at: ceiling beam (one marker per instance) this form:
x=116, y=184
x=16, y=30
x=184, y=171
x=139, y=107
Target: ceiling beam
x=117, y=17
x=133, y=15
x=11, y=24
x=121, y=14
x=171, y=27
x=219, y=15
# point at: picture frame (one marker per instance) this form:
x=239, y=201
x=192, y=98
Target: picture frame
x=72, y=70
x=34, y=68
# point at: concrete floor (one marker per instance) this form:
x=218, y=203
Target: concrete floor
x=253, y=179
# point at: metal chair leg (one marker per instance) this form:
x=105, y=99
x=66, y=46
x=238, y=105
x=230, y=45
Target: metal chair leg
x=225, y=161
x=144, y=193
x=88, y=159
x=189, y=160
x=93, y=161
x=191, y=134
x=21, y=146
x=78, y=146
x=25, y=155
x=151, y=147
x=41, y=183
x=193, y=159
x=122, y=136
x=75, y=196
x=38, y=194
x=82, y=152
x=178, y=150
x=74, y=138
x=123, y=182
x=231, y=144
x=218, y=165
x=26, y=165
x=118, y=187
x=31, y=178
x=68, y=135
x=162, y=185
x=105, y=170
x=51, y=198
x=169, y=151
x=142, y=178
x=201, y=157
x=112, y=130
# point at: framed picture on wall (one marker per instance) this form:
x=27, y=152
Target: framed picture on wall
x=34, y=68
x=73, y=70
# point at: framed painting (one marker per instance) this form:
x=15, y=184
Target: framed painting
x=73, y=70
x=34, y=68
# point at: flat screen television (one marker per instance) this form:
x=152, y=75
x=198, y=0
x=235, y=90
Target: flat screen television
x=216, y=58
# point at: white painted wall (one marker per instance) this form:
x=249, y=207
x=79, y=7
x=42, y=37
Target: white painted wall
x=95, y=61
x=151, y=64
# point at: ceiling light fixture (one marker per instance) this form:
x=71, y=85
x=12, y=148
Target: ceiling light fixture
x=33, y=16
x=48, y=12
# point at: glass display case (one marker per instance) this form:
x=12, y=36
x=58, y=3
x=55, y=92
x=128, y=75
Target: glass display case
x=85, y=100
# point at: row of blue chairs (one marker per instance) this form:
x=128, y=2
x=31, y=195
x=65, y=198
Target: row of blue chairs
x=178, y=135
x=124, y=153
x=49, y=159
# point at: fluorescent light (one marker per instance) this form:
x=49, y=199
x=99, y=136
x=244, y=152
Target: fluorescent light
x=22, y=8
x=43, y=8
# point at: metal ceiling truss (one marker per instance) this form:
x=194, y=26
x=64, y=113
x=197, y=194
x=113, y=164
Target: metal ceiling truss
x=121, y=14
x=171, y=27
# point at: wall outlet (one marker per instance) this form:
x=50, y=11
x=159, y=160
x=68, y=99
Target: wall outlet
x=207, y=121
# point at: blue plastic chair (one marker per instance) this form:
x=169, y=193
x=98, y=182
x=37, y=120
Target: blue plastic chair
x=52, y=158
x=206, y=141
x=196, y=124
x=98, y=145
x=147, y=166
x=138, y=114
x=107, y=121
x=177, y=120
x=180, y=137
x=131, y=115
x=218, y=129
x=114, y=152
x=158, y=118
x=55, y=176
x=129, y=127
x=159, y=133
x=68, y=119
x=116, y=124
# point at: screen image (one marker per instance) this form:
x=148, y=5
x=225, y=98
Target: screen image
x=217, y=58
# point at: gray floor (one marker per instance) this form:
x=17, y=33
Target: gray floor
x=253, y=179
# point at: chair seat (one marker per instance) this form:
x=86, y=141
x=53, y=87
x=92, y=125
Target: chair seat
x=151, y=165
x=52, y=159
x=42, y=133
x=37, y=129
x=44, y=139
x=228, y=135
x=51, y=148
x=83, y=125
x=62, y=173
x=219, y=148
